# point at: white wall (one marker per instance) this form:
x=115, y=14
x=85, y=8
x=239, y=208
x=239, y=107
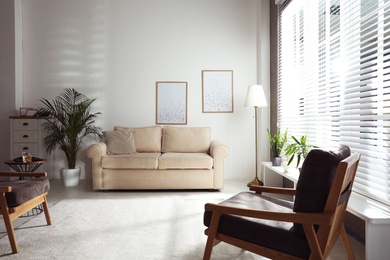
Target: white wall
x=116, y=50
x=7, y=76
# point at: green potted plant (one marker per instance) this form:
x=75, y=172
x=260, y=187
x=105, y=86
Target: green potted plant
x=299, y=149
x=69, y=120
x=276, y=143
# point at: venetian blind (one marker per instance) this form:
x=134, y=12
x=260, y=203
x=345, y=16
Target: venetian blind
x=334, y=81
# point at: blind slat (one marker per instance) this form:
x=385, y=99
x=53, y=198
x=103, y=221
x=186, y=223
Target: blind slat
x=334, y=81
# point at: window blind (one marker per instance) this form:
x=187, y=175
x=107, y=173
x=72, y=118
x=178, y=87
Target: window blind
x=334, y=81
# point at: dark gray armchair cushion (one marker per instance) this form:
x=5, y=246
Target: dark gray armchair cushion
x=315, y=180
x=24, y=190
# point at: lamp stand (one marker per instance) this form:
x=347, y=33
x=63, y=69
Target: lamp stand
x=256, y=180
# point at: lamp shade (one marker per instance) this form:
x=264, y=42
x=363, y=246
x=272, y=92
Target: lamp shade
x=255, y=96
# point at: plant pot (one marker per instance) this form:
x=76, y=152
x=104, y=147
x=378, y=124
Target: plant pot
x=70, y=177
x=276, y=161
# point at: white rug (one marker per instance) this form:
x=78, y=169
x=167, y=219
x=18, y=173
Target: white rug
x=154, y=227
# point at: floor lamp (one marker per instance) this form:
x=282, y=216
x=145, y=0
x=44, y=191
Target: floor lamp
x=255, y=98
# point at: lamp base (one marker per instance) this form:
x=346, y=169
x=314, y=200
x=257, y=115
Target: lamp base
x=255, y=181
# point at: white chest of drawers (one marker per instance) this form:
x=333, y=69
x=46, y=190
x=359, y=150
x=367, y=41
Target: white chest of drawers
x=27, y=134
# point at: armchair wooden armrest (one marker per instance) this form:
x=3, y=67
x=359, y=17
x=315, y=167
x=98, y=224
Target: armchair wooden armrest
x=277, y=190
x=322, y=218
x=4, y=189
x=22, y=174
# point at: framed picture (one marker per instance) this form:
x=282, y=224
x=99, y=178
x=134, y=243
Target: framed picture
x=171, y=102
x=31, y=112
x=23, y=110
x=217, y=91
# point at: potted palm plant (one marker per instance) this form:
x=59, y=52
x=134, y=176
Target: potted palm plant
x=299, y=149
x=69, y=120
x=276, y=143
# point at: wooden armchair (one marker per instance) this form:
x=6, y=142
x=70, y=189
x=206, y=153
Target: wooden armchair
x=19, y=197
x=307, y=228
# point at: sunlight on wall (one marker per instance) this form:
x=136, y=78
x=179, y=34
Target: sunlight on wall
x=116, y=51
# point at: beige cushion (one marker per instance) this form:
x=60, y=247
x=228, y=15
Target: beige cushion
x=186, y=139
x=119, y=142
x=131, y=161
x=185, y=161
x=147, y=139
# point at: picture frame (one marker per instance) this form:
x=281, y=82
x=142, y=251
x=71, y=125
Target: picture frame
x=23, y=110
x=31, y=112
x=217, y=91
x=171, y=102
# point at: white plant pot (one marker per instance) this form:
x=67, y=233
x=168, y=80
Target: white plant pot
x=70, y=177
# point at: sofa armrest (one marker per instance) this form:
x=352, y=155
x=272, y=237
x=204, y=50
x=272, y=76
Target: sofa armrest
x=219, y=152
x=218, y=149
x=96, y=152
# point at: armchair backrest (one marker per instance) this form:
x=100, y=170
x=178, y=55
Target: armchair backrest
x=316, y=179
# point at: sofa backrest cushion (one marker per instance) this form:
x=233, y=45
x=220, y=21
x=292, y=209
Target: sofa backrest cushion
x=119, y=142
x=186, y=139
x=147, y=139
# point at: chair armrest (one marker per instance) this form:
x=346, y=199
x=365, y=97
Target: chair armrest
x=22, y=174
x=268, y=189
x=296, y=217
x=4, y=189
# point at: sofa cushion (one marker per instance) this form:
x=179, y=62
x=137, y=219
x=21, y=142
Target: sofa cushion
x=186, y=139
x=131, y=161
x=185, y=161
x=119, y=142
x=147, y=139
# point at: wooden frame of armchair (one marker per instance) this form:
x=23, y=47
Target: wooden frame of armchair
x=330, y=221
x=12, y=213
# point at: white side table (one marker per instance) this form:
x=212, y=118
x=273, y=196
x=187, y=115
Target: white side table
x=273, y=175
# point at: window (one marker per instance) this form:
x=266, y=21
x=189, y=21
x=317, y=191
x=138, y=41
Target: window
x=334, y=81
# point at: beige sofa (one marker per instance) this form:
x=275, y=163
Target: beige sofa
x=157, y=158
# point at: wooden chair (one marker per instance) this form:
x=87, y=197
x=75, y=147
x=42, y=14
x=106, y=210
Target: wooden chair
x=307, y=228
x=19, y=197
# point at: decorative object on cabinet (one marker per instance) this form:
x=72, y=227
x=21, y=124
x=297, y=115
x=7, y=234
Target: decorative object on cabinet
x=217, y=91
x=276, y=144
x=255, y=97
x=171, y=103
x=31, y=112
x=23, y=111
x=26, y=135
x=70, y=121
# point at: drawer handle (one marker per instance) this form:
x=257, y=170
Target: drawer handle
x=25, y=123
x=25, y=136
x=25, y=148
